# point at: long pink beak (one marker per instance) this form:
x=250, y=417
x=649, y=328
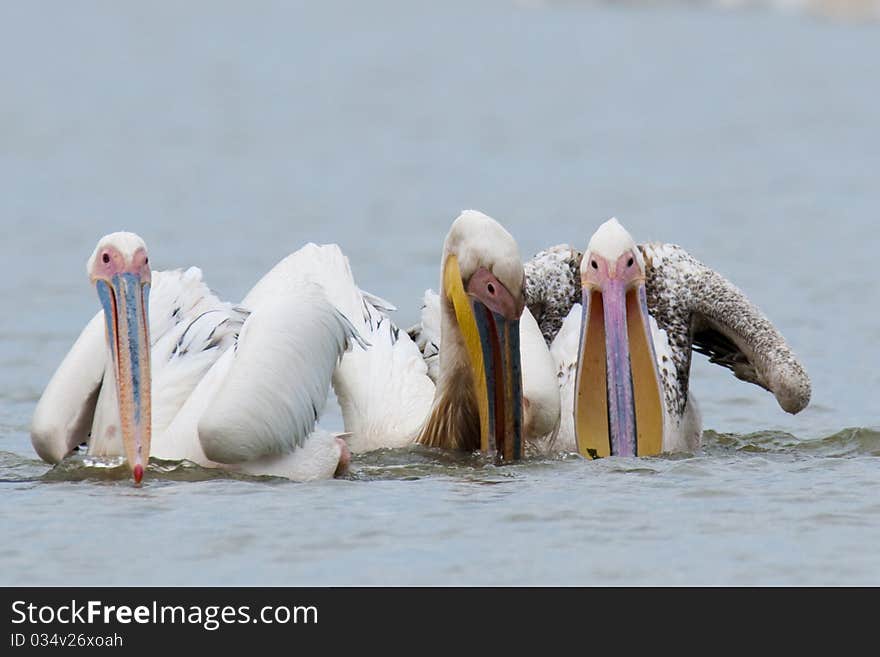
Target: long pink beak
x=125, y=299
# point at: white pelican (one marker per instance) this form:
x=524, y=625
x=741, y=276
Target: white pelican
x=173, y=372
x=624, y=352
x=473, y=398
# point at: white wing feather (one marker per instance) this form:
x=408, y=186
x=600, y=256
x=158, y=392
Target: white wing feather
x=63, y=416
x=426, y=333
x=564, y=351
x=193, y=351
x=317, y=459
x=539, y=384
x=278, y=381
x=381, y=384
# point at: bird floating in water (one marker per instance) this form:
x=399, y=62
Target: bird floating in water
x=622, y=321
x=168, y=370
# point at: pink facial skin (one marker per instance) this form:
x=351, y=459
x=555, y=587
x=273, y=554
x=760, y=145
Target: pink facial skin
x=110, y=262
x=487, y=289
x=599, y=272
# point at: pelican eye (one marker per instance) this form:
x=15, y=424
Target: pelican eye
x=594, y=265
x=629, y=263
x=105, y=258
x=491, y=289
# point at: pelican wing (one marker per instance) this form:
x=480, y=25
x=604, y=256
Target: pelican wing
x=382, y=385
x=564, y=351
x=183, y=357
x=190, y=328
x=276, y=382
x=553, y=285
x=63, y=416
x=426, y=334
x=540, y=385
x=699, y=308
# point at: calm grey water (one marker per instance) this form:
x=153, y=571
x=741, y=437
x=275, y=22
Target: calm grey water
x=228, y=134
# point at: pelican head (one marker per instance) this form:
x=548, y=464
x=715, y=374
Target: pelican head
x=618, y=407
x=120, y=271
x=482, y=289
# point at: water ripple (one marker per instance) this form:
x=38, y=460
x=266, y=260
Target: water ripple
x=415, y=463
x=852, y=441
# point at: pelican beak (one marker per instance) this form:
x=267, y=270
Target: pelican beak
x=618, y=408
x=499, y=342
x=488, y=316
x=125, y=297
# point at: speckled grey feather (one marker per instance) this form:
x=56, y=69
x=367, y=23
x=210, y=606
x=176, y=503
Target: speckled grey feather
x=722, y=323
x=553, y=287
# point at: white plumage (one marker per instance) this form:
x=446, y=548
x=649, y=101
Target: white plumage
x=63, y=417
x=277, y=382
x=381, y=383
x=427, y=333
x=564, y=352
x=541, y=401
